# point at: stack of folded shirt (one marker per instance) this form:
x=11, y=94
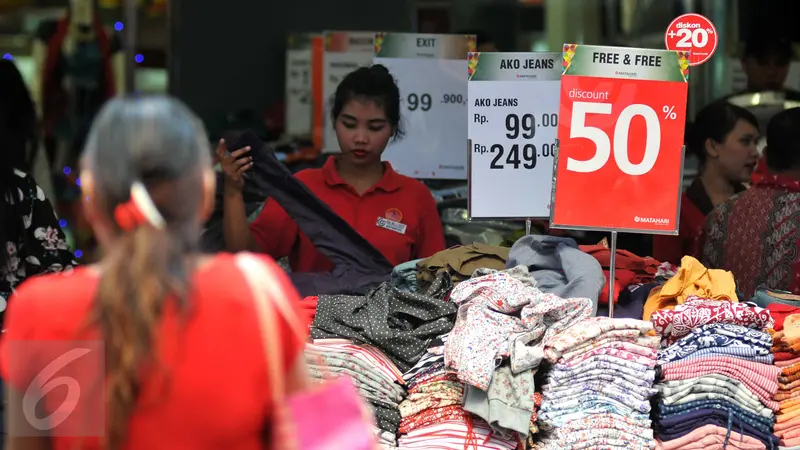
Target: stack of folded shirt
x=433, y=413
x=596, y=394
x=719, y=378
x=375, y=376
x=786, y=348
x=673, y=324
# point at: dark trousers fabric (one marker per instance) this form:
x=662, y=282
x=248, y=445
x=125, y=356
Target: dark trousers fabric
x=358, y=266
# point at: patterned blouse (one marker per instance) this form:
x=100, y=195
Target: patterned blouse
x=756, y=235
x=42, y=247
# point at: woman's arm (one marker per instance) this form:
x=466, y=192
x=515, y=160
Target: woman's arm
x=234, y=222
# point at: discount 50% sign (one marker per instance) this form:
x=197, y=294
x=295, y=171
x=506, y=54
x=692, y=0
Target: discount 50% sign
x=513, y=118
x=621, y=125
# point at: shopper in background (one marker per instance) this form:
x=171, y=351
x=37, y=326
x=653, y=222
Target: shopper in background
x=756, y=235
x=31, y=241
x=723, y=137
x=184, y=357
x=356, y=185
x=766, y=63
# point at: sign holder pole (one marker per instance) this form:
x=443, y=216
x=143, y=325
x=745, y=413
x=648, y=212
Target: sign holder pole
x=527, y=227
x=612, y=274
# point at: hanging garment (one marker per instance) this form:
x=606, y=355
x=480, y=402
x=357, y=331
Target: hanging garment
x=402, y=324
x=559, y=267
x=358, y=266
x=74, y=86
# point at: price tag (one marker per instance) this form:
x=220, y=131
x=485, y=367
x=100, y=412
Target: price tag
x=620, y=131
x=513, y=120
x=429, y=69
x=344, y=53
x=298, y=85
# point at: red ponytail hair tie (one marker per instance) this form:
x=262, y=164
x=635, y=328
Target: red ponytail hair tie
x=138, y=210
x=128, y=217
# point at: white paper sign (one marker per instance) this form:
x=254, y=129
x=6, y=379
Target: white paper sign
x=344, y=53
x=299, y=112
x=513, y=120
x=429, y=69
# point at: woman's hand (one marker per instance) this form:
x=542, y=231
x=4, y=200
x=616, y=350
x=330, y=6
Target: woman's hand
x=234, y=165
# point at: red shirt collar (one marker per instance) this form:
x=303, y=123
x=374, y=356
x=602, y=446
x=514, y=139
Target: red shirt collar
x=779, y=182
x=390, y=181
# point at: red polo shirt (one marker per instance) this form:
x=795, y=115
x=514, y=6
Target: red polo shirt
x=395, y=197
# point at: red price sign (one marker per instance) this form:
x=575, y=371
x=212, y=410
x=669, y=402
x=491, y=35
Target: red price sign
x=620, y=132
x=692, y=33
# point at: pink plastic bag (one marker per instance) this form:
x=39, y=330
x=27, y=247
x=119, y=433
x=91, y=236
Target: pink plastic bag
x=331, y=418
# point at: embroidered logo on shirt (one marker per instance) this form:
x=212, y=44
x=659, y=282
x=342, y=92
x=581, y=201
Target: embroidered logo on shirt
x=391, y=225
x=394, y=214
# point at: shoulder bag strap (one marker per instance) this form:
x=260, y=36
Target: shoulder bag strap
x=268, y=297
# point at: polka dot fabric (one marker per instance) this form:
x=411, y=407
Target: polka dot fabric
x=402, y=324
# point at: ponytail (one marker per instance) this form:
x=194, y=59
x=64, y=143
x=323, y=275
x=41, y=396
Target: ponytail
x=146, y=160
x=146, y=267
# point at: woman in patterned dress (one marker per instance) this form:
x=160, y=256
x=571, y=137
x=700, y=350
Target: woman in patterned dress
x=31, y=241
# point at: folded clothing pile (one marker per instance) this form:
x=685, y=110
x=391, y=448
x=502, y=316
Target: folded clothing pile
x=497, y=344
x=630, y=268
x=433, y=413
x=596, y=394
x=377, y=379
x=673, y=324
x=717, y=375
x=786, y=348
x=460, y=261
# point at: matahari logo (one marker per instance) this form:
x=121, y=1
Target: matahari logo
x=56, y=387
x=653, y=220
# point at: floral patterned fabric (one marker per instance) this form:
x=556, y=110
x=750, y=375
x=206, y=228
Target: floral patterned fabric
x=673, y=324
x=502, y=315
x=42, y=248
x=594, y=329
x=718, y=336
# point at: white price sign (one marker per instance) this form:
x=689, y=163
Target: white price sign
x=513, y=126
x=429, y=69
x=344, y=53
x=299, y=111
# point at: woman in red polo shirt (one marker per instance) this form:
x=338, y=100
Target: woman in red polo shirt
x=356, y=184
x=723, y=136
